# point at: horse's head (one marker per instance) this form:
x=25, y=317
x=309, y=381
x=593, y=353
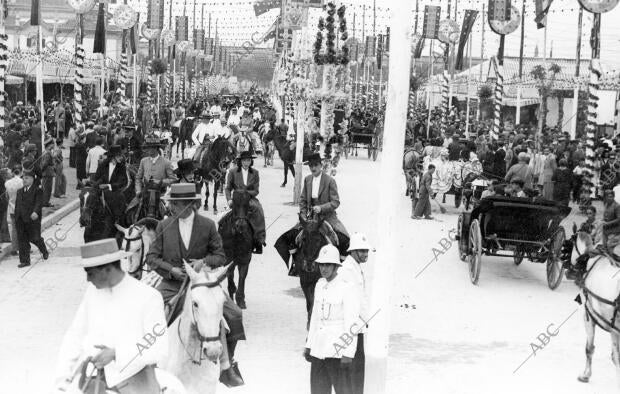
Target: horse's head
x=313, y=236
x=205, y=303
x=137, y=240
x=240, y=207
x=223, y=152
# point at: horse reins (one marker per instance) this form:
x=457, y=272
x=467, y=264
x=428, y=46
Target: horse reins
x=591, y=312
x=129, y=240
x=194, y=325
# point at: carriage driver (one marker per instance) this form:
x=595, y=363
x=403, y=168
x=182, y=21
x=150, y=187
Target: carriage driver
x=117, y=311
x=246, y=178
x=188, y=236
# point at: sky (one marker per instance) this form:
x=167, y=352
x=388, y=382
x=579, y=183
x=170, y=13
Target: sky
x=236, y=23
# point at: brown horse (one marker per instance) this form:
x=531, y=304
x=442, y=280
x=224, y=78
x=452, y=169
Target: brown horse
x=212, y=167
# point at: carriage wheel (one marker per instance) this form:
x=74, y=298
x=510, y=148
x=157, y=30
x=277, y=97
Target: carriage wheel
x=370, y=151
x=475, y=251
x=518, y=256
x=462, y=243
x=555, y=269
x=375, y=148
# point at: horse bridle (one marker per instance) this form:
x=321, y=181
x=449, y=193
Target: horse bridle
x=202, y=338
x=129, y=241
x=591, y=313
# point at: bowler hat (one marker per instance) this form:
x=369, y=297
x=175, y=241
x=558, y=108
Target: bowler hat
x=115, y=150
x=101, y=252
x=313, y=158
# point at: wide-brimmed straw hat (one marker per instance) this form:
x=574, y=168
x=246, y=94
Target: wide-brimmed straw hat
x=101, y=252
x=329, y=254
x=182, y=191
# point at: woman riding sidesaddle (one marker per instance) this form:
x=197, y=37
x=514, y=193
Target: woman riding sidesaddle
x=245, y=178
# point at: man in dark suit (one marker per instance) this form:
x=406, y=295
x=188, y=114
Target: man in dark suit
x=35, y=136
x=28, y=206
x=244, y=177
x=499, y=160
x=188, y=236
x=111, y=179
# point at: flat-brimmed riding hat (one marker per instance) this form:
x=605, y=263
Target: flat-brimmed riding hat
x=246, y=154
x=185, y=166
x=313, y=158
x=115, y=150
x=152, y=142
x=101, y=252
x=359, y=242
x=182, y=191
x=329, y=254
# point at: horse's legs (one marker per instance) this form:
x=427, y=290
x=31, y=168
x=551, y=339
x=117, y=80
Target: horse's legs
x=589, y=324
x=243, y=274
x=206, y=195
x=285, y=175
x=216, y=186
x=231, y=282
x=292, y=168
x=615, y=354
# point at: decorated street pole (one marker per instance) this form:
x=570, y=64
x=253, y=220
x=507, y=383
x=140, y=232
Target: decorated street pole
x=430, y=30
x=503, y=19
x=596, y=7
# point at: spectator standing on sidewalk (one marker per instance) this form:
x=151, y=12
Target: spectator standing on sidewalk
x=12, y=185
x=47, y=171
x=94, y=155
x=28, y=207
x=60, y=186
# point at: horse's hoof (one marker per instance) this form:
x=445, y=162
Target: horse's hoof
x=583, y=379
x=283, y=185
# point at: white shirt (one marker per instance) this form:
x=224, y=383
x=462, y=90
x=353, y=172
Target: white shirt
x=223, y=131
x=234, y=119
x=244, y=174
x=185, y=228
x=215, y=109
x=92, y=161
x=12, y=186
x=335, y=312
x=316, y=183
x=118, y=318
x=111, y=168
x=199, y=133
x=351, y=271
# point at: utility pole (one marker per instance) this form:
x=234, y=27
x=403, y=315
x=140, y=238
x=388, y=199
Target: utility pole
x=389, y=179
x=573, y=126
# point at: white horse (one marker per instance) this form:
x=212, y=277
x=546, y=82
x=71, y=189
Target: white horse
x=195, y=345
x=600, y=291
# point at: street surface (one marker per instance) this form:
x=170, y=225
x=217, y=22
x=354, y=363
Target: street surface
x=447, y=335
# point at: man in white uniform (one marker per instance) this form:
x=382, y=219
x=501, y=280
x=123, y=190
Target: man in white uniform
x=234, y=118
x=335, y=314
x=120, y=325
x=202, y=131
x=351, y=271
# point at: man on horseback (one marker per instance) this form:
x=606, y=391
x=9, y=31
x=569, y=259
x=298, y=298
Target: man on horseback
x=111, y=178
x=189, y=237
x=153, y=167
x=110, y=325
x=246, y=178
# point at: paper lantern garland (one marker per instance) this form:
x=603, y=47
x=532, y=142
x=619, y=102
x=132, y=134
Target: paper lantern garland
x=82, y=6
x=124, y=16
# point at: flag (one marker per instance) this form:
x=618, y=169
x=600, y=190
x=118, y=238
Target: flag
x=182, y=29
x=499, y=10
x=542, y=9
x=379, y=51
x=418, y=48
x=263, y=6
x=199, y=39
x=133, y=39
x=430, y=29
x=271, y=33
x=99, y=44
x=468, y=24
x=155, y=16
x=124, y=41
x=35, y=13
x=387, y=39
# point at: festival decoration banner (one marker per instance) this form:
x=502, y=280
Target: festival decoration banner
x=155, y=17
x=468, y=24
x=379, y=50
x=99, y=44
x=284, y=40
x=598, y=6
x=542, y=9
x=430, y=27
x=199, y=39
x=369, y=50
x=35, y=13
x=263, y=6
x=499, y=10
x=294, y=15
x=133, y=40
x=309, y=3
x=417, y=46
x=182, y=29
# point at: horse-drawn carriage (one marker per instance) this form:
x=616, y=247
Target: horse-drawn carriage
x=518, y=227
x=361, y=140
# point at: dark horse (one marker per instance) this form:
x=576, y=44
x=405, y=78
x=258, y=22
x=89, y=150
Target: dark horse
x=95, y=216
x=286, y=151
x=184, y=136
x=149, y=205
x=237, y=236
x=315, y=233
x=212, y=166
